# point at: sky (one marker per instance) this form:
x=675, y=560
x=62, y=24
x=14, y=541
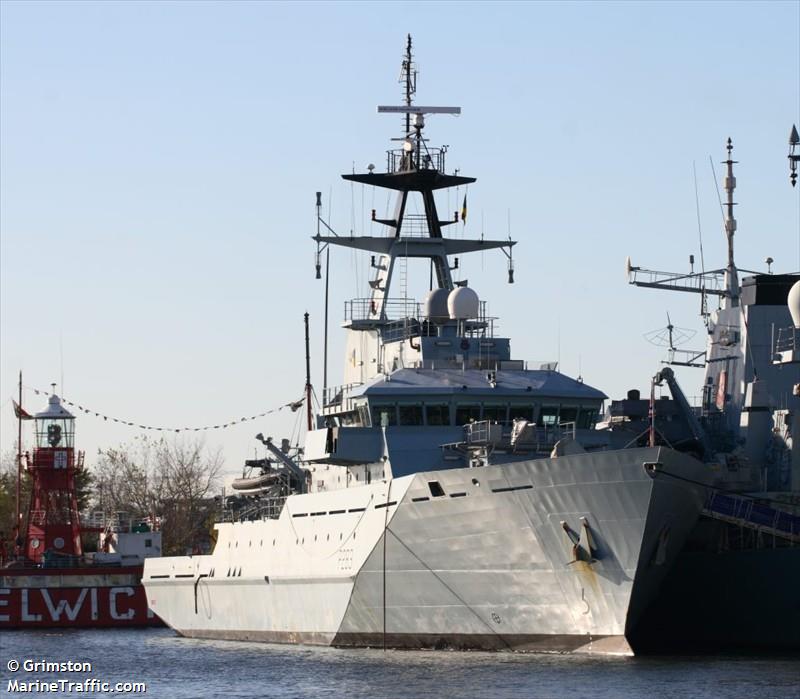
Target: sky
x=158, y=164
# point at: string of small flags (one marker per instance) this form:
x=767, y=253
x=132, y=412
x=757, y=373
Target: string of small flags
x=294, y=406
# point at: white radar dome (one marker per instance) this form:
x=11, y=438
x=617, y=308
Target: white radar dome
x=462, y=303
x=436, y=305
x=794, y=304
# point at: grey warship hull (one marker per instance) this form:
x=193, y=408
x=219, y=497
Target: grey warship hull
x=726, y=601
x=561, y=554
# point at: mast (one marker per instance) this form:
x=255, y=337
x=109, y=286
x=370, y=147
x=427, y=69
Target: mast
x=19, y=465
x=308, y=376
x=731, y=277
x=408, y=78
x=415, y=170
x=325, y=350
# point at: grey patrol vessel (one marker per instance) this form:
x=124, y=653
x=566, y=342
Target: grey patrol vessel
x=447, y=495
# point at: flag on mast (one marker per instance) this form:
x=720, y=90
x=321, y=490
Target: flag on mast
x=464, y=210
x=20, y=413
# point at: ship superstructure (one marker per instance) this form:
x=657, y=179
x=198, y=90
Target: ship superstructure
x=447, y=495
x=751, y=363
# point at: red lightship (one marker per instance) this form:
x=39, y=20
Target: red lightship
x=46, y=579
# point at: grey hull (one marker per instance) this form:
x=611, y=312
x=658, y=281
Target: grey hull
x=490, y=565
x=559, y=554
x=733, y=600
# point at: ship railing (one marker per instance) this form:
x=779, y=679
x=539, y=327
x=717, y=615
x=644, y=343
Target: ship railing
x=751, y=513
x=415, y=226
x=399, y=330
x=538, y=438
x=568, y=429
x=788, y=340
x=260, y=509
x=370, y=309
x=399, y=160
x=490, y=363
x=333, y=396
x=117, y=522
x=93, y=520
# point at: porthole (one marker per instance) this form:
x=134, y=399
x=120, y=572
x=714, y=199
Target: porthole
x=476, y=483
x=273, y=542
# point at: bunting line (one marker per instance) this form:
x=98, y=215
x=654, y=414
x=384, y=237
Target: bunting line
x=294, y=406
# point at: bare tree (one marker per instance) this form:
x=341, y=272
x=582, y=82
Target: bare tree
x=171, y=479
x=189, y=478
x=127, y=480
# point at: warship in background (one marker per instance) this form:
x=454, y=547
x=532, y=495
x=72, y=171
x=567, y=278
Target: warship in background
x=449, y=495
x=735, y=583
x=46, y=578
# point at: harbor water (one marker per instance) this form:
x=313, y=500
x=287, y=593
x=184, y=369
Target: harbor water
x=178, y=668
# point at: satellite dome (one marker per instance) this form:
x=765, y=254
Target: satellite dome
x=462, y=303
x=436, y=305
x=793, y=301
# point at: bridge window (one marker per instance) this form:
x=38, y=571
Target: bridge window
x=548, y=416
x=379, y=410
x=467, y=413
x=410, y=414
x=437, y=414
x=568, y=414
x=586, y=418
x=524, y=412
x=495, y=413
x=351, y=418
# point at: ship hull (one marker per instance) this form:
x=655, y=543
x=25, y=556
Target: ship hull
x=39, y=598
x=482, y=560
x=728, y=600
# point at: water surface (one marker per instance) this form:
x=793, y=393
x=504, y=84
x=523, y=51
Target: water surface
x=178, y=668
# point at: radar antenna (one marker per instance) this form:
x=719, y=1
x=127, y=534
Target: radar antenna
x=413, y=142
x=721, y=282
x=672, y=337
x=794, y=157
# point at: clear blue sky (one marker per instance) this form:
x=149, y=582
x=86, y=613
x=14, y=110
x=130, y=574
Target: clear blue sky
x=159, y=162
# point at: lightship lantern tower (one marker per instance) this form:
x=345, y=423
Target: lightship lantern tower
x=53, y=528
